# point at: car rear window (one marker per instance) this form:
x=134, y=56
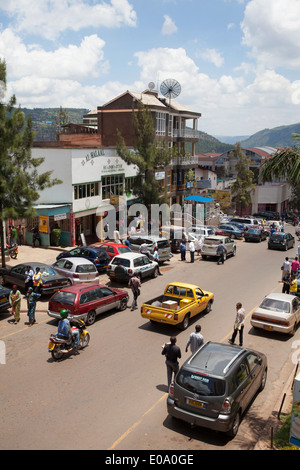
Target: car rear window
x=201, y=384
x=123, y=249
x=161, y=244
x=275, y=305
x=211, y=241
x=277, y=236
x=121, y=262
x=64, y=298
x=86, y=268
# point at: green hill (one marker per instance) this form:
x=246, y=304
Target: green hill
x=277, y=137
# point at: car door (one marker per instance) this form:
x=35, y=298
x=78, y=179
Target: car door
x=242, y=384
x=109, y=298
x=147, y=266
x=59, y=266
x=16, y=275
x=255, y=371
x=296, y=309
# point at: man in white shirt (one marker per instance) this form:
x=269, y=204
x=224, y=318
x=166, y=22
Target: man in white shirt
x=238, y=324
x=286, y=268
x=192, y=250
x=195, y=340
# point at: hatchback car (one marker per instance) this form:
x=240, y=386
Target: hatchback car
x=230, y=230
x=52, y=281
x=122, y=267
x=4, y=298
x=215, y=386
x=211, y=243
x=77, y=270
x=95, y=254
x=113, y=249
x=255, y=235
x=277, y=312
x=161, y=244
x=281, y=241
x=85, y=301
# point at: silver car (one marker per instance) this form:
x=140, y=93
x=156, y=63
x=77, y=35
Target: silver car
x=215, y=386
x=77, y=270
x=211, y=243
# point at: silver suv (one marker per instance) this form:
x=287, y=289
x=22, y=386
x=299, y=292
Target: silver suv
x=214, y=387
x=161, y=244
x=211, y=243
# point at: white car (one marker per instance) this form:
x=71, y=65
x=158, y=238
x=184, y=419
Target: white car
x=211, y=243
x=122, y=267
x=77, y=270
x=277, y=312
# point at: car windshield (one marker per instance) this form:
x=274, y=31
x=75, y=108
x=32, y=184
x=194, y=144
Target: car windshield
x=121, y=262
x=275, y=305
x=64, y=298
x=253, y=230
x=201, y=384
x=47, y=271
x=86, y=268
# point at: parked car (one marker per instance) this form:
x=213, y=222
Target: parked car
x=210, y=246
x=230, y=230
x=199, y=230
x=51, y=279
x=248, y=222
x=173, y=233
x=215, y=386
x=277, y=312
x=281, y=241
x=122, y=267
x=268, y=215
x=77, y=270
x=152, y=242
x=112, y=248
x=255, y=235
x=4, y=298
x=85, y=301
x=93, y=253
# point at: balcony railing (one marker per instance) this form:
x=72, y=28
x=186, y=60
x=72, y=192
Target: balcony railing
x=184, y=161
x=186, y=133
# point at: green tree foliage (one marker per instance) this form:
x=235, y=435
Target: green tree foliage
x=148, y=155
x=243, y=187
x=20, y=180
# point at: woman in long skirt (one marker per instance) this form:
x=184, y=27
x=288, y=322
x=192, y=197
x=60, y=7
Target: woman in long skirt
x=15, y=302
x=32, y=298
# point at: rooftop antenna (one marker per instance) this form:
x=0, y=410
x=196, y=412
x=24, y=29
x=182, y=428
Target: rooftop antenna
x=170, y=88
x=151, y=86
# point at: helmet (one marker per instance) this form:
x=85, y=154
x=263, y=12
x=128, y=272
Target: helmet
x=64, y=313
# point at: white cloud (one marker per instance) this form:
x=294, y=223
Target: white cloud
x=169, y=27
x=49, y=18
x=213, y=56
x=271, y=30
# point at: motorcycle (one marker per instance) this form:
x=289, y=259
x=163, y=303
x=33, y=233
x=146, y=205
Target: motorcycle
x=59, y=346
x=12, y=251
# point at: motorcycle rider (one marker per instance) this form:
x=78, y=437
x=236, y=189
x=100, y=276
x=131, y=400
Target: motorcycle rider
x=64, y=328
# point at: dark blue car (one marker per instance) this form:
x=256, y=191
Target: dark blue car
x=97, y=255
x=231, y=230
x=4, y=298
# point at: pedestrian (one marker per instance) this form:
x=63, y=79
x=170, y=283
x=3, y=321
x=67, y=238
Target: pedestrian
x=37, y=281
x=134, y=284
x=15, y=302
x=195, y=340
x=238, y=324
x=20, y=235
x=144, y=249
x=182, y=249
x=14, y=235
x=286, y=267
x=172, y=353
x=295, y=265
x=293, y=286
x=29, y=273
x=192, y=250
x=32, y=298
x=221, y=250
x=36, y=236
x=155, y=258
x=286, y=283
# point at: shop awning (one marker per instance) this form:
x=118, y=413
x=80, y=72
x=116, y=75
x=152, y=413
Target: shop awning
x=199, y=199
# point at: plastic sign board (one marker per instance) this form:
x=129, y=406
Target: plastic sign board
x=295, y=419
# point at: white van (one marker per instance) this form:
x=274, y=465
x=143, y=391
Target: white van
x=152, y=242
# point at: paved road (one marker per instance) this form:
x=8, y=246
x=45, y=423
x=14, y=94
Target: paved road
x=113, y=395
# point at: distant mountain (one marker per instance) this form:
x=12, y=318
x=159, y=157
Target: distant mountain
x=277, y=137
x=231, y=139
x=208, y=143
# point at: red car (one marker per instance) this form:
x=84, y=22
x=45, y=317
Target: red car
x=113, y=249
x=86, y=301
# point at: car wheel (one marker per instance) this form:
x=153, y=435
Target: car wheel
x=208, y=307
x=263, y=381
x=235, y=425
x=155, y=273
x=204, y=257
x=91, y=317
x=234, y=251
x=185, y=322
x=123, y=304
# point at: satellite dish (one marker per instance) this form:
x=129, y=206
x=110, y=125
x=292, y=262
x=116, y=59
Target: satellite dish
x=151, y=86
x=170, y=88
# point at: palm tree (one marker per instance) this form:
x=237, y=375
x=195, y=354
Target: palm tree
x=284, y=164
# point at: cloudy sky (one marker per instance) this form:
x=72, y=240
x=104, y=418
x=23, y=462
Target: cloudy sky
x=238, y=61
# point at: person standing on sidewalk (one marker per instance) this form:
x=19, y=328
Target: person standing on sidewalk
x=195, y=340
x=32, y=298
x=286, y=267
x=238, y=324
x=182, y=249
x=192, y=251
x=172, y=353
x=134, y=284
x=15, y=302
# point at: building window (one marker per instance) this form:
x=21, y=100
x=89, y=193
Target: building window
x=112, y=186
x=82, y=191
x=160, y=124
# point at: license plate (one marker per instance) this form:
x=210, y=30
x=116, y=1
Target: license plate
x=51, y=345
x=3, y=300
x=199, y=404
x=112, y=274
x=268, y=328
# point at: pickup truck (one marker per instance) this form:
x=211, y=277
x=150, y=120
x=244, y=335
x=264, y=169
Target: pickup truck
x=178, y=304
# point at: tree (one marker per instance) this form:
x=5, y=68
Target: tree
x=243, y=185
x=20, y=181
x=149, y=155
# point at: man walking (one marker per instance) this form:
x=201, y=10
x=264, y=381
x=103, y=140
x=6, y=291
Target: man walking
x=195, y=340
x=238, y=324
x=192, y=250
x=221, y=250
x=134, y=284
x=172, y=353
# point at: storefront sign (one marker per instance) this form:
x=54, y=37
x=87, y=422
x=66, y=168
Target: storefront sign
x=43, y=224
x=60, y=216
